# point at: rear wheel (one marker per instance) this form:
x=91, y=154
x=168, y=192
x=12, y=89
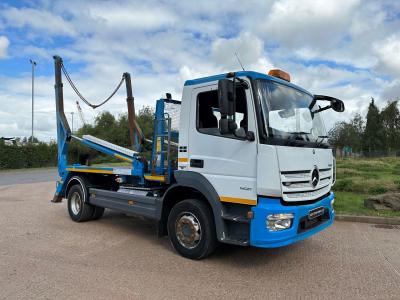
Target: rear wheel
x=79, y=211
x=191, y=229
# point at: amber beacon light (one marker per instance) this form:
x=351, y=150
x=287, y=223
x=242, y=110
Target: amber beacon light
x=280, y=74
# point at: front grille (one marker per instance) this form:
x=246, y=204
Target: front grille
x=297, y=186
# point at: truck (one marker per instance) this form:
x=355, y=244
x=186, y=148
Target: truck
x=243, y=159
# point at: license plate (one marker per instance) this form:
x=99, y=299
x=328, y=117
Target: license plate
x=316, y=212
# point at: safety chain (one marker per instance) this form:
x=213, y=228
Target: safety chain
x=83, y=98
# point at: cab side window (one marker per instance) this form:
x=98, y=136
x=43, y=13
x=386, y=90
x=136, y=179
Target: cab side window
x=208, y=114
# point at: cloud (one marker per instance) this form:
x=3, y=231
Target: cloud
x=392, y=91
x=4, y=42
x=133, y=18
x=388, y=52
x=316, y=23
x=248, y=47
x=37, y=21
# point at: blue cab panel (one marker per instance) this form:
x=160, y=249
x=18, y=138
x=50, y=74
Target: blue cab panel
x=261, y=236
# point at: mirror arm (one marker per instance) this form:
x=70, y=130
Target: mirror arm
x=312, y=103
x=320, y=109
x=242, y=81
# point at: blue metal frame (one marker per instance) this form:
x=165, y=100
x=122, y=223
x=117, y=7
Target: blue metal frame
x=63, y=137
x=250, y=74
x=159, y=131
x=260, y=236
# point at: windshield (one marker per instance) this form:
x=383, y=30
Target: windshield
x=287, y=114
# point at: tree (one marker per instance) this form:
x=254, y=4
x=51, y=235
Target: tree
x=391, y=126
x=145, y=120
x=348, y=134
x=357, y=126
x=116, y=131
x=373, y=139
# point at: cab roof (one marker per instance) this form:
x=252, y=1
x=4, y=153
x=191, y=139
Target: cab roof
x=250, y=74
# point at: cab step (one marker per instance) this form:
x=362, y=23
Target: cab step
x=237, y=240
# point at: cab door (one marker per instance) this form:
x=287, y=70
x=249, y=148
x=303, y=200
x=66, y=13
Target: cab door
x=229, y=163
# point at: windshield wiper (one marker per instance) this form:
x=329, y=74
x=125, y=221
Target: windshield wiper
x=299, y=132
x=322, y=137
x=299, y=135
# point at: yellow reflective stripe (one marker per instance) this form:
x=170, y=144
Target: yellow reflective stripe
x=90, y=171
x=122, y=157
x=238, y=200
x=183, y=159
x=154, y=177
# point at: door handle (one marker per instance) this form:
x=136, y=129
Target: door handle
x=197, y=163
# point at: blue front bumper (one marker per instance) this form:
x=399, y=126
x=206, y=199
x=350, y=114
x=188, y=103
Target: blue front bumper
x=260, y=236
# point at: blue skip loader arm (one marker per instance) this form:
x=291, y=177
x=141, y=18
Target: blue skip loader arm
x=63, y=131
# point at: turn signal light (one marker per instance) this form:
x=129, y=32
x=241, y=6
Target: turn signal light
x=280, y=74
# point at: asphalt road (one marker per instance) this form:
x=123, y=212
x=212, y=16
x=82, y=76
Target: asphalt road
x=43, y=254
x=28, y=176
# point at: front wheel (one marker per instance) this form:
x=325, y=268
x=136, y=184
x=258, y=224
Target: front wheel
x=191, y=229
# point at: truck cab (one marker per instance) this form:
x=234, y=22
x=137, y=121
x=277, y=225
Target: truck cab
x=275, y=167
x=243, y=159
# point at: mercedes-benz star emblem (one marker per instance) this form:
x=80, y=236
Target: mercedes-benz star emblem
x=315, y=177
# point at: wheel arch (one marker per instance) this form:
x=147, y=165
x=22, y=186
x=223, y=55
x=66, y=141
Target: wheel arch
x=81, y=180
x=192, y=185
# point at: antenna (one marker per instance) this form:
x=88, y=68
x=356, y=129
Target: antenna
x=240, y=63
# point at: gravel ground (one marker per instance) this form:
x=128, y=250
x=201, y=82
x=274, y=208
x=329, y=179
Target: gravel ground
x=43, y=254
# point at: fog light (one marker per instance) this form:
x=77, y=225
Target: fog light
x=277, y=222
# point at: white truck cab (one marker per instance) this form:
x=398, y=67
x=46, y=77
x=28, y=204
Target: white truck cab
x=281, y=167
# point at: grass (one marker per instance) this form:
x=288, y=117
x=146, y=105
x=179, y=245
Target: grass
x=358, y=179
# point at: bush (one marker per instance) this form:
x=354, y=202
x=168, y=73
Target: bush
x=345, y=185
x=376, y=190
x=28, y=156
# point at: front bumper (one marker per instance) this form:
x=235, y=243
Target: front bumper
x=260, y=236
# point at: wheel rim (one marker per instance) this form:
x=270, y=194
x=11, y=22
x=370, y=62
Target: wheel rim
x=188, y=230
x=76, y=203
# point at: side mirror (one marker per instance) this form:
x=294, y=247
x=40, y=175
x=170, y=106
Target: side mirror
x=337, y=105
x=226, y=97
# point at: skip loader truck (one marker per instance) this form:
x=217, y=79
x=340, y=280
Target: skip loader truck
x=242, y=159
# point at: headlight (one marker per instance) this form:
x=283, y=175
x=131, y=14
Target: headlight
x=278, y=222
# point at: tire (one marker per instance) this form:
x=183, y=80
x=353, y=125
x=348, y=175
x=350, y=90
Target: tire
x=191, y=229
x=79, y=211
x=97, y=213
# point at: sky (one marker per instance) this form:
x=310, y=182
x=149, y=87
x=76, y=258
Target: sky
x=349, y=49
